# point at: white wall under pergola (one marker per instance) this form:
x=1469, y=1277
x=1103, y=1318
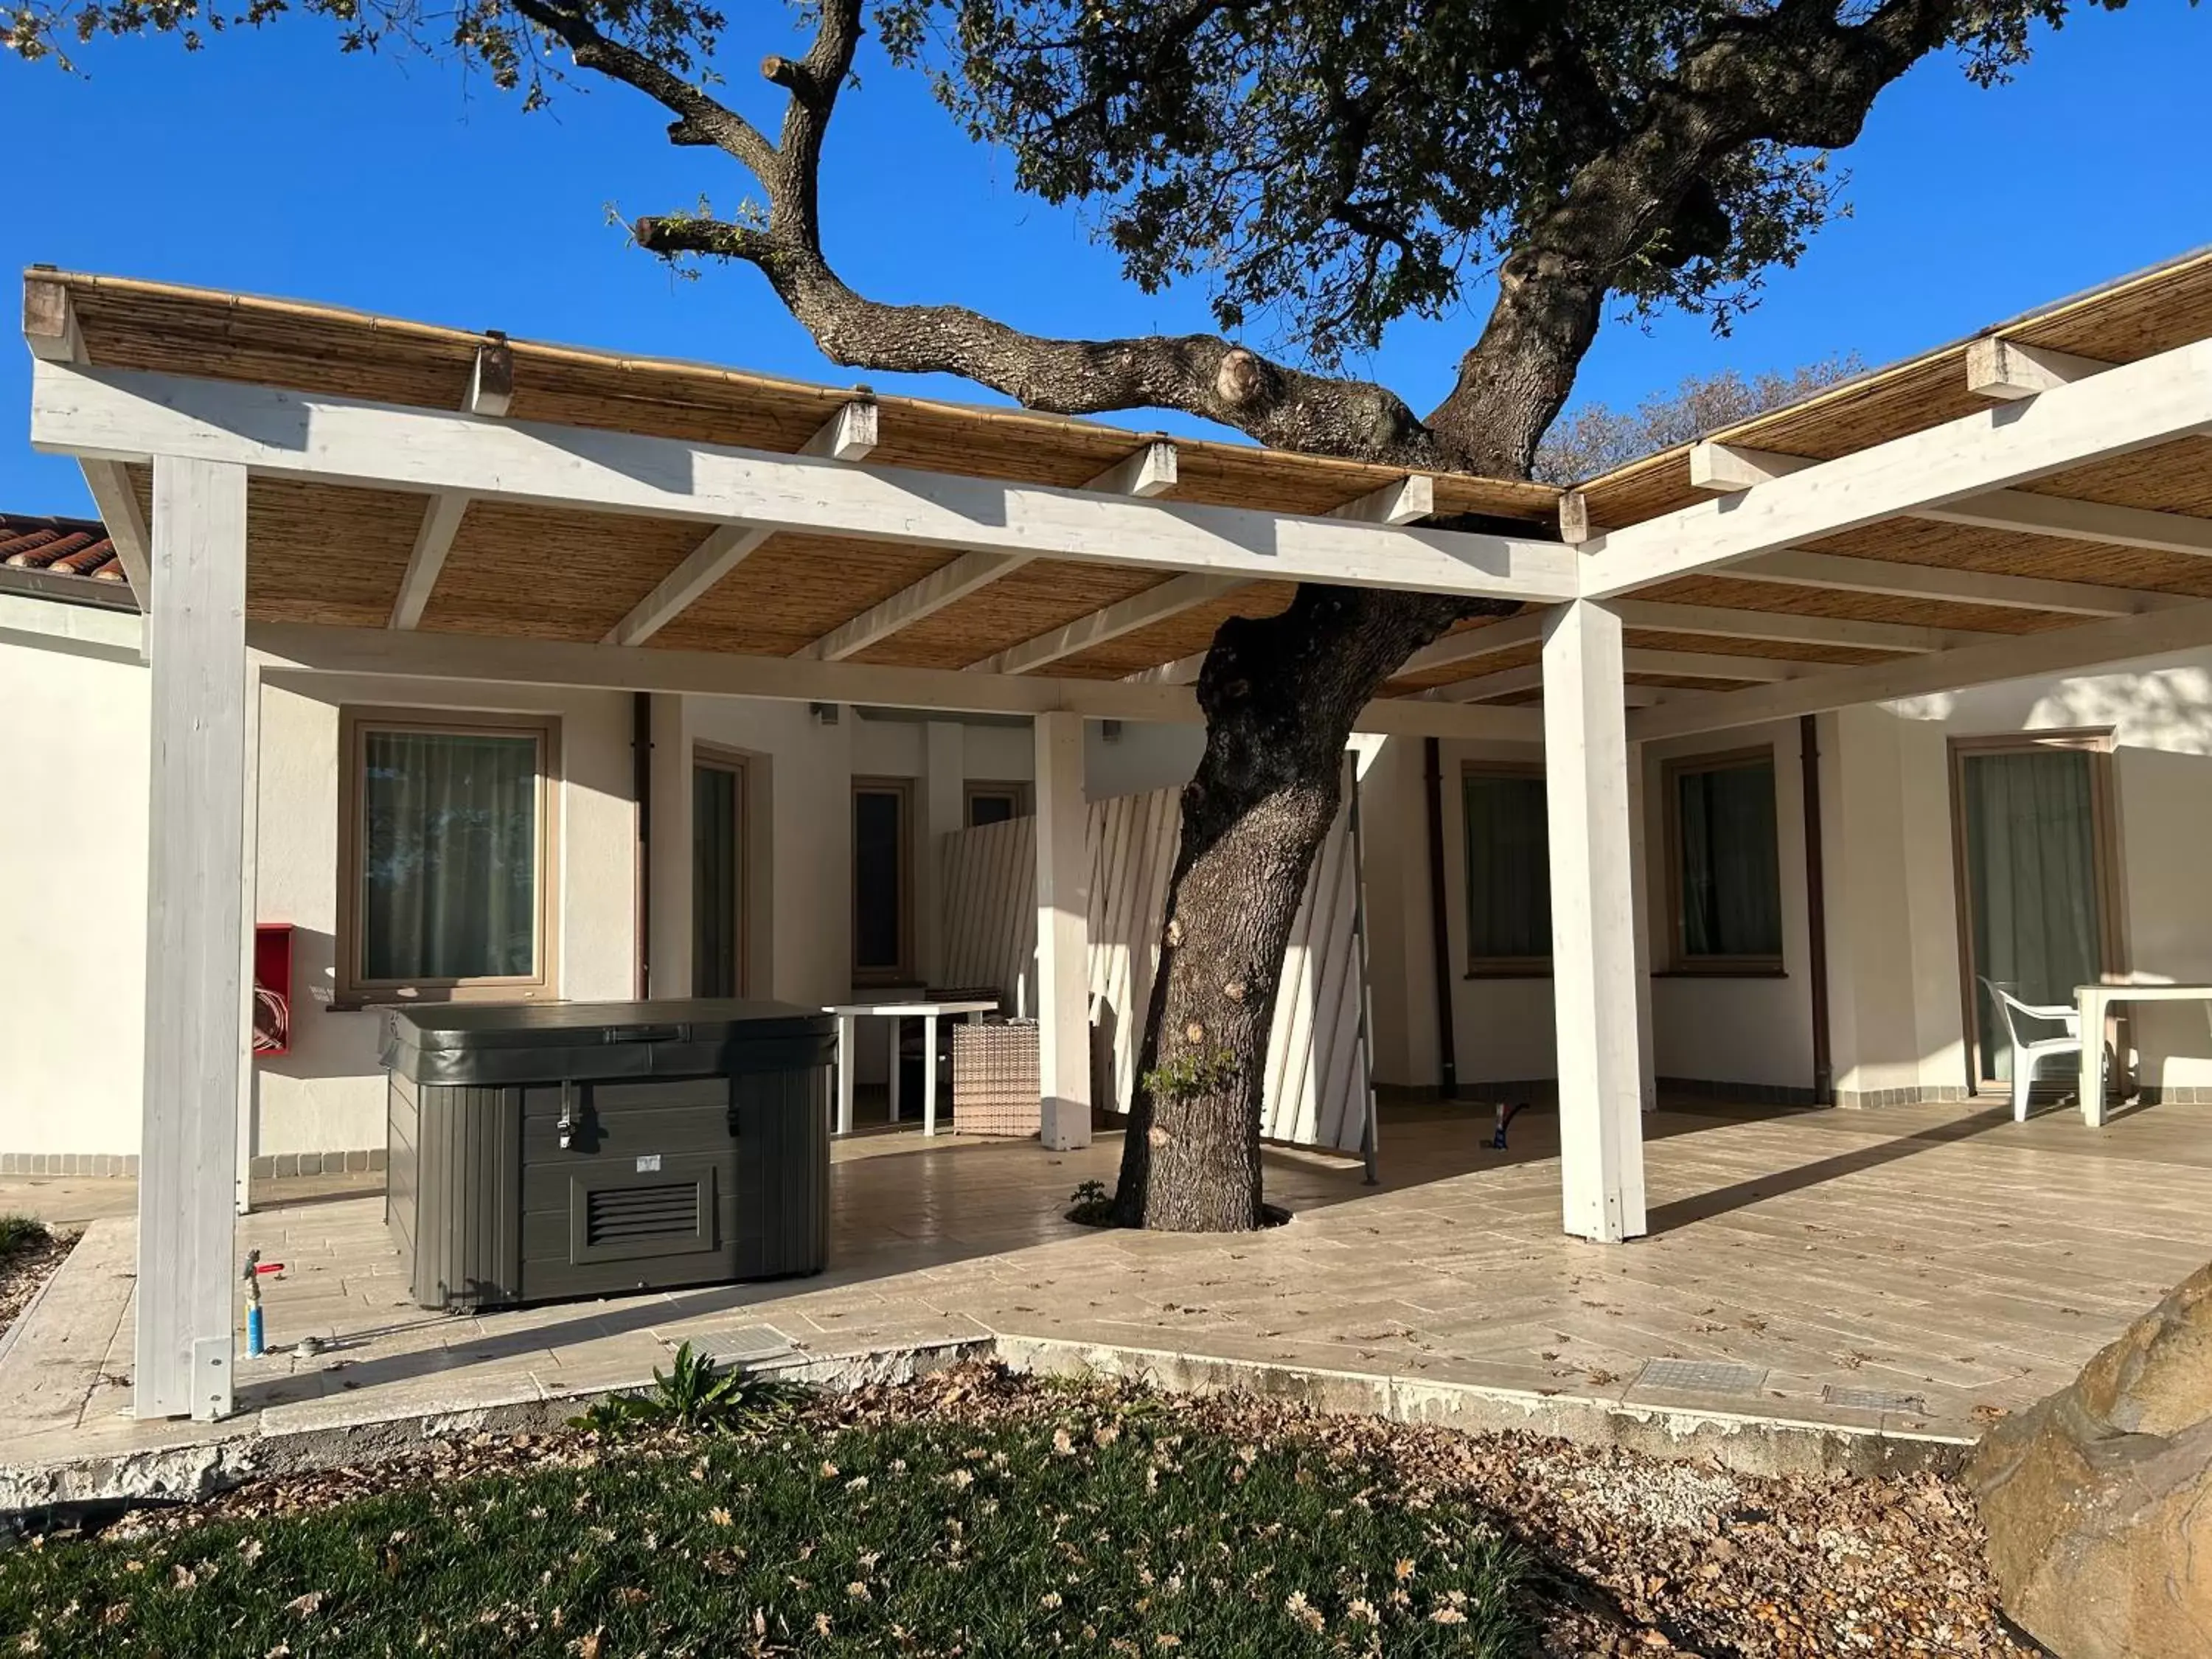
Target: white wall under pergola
x=203, y=438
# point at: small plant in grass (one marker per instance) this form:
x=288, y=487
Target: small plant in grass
x=19, y=1235
x=696, y=1396
x=1092, y=1205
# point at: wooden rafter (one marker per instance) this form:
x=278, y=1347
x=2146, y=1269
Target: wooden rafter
x=1150, y=472
x=2059, y=651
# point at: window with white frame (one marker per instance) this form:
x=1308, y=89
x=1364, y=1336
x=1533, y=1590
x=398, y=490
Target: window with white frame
x=445, y=844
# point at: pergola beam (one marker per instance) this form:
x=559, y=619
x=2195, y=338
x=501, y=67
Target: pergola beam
x=1715, y=621
x=299, y=647
x=2060, y=651
x=2131, y=407
x=846, y=436
x=1799, y=567
x=1727, y=468
x=1150, y=472
x=50, y=324
x=117, y=503
x=1470, y=643
x=1408, y=501
x=1527, y=678
x=491, y=379
x=850, y=434
x=947, y=585
x=52, y=331
x=129, y=415
x=2004, y=369
x=1405, y=501
x=426, y=560
x=2028, y=513
x=1721, y=621
x=1681, y=664
x=1157, y=603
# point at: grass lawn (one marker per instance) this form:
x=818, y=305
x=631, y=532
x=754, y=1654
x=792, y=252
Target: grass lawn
x=1087, y=1528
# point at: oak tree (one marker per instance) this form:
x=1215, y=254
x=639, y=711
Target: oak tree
x=1323, y=168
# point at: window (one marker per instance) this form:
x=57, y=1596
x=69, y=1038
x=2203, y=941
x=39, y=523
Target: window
x=445, y=840
x=1508, y=871
x=718, y=877
x=1726, y=875
x=996, y=803
x=882, y=880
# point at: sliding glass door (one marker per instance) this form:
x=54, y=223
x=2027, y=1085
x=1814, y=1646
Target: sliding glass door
x=2036, y=885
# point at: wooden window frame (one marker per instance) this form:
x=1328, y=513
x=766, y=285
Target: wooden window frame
x=903, y=972
x=1017, y=791
x=714, y=758
x=2100, y=744
x=353, y=987
x=1678, y=960
x=1482, y=967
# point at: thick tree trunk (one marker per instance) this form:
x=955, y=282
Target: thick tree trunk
x=1280, y=695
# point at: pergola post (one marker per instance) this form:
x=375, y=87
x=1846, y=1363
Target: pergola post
x=200, y=876
x=1593, y=925
x=1063, y=897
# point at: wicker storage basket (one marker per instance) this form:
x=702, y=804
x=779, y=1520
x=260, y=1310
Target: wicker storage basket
x=994, y=1078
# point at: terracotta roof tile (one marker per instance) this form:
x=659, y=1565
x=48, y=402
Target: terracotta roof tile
x=61, y=547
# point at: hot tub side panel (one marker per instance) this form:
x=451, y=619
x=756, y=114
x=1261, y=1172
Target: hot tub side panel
x=468, y=1187
x=783, y=1171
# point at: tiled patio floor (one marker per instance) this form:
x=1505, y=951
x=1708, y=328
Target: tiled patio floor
x=1905, y=1267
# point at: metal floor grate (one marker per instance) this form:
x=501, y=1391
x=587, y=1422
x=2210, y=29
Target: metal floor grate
x=1702, y=1376
x=742, y=1345
x=1873, y=1400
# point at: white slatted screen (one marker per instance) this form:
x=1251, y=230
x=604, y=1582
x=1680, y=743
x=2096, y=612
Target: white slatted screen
x=1318, y=1081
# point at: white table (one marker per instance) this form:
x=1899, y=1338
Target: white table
x=2095, y=1001
x=849, y=1015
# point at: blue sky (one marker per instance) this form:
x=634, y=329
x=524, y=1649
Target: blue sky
x=271, y=164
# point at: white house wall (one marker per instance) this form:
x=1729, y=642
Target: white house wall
x=327, y=1094
x=2160, y=714
x=73, y=902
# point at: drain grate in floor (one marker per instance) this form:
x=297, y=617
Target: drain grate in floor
x=1702, y=1376
x=742, y=1345
x=1873, y=1400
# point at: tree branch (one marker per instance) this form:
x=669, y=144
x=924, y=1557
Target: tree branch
x=701, y=119
x=1795, y=76
x=1197, y=373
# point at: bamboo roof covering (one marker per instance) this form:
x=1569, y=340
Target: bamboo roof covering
x=327, y=554
x=2168, y=306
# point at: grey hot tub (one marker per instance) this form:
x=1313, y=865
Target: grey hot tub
x=547, y=1150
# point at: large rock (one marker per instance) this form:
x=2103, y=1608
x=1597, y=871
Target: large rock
x=2099, y=1500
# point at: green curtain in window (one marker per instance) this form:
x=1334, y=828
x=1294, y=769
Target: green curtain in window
x=714, y=878
x=1508, y=866
x=449, y=856
x=2031, y=875
x=1731, y=872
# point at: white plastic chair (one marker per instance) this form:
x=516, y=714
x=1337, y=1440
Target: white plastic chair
x=2029, y=1053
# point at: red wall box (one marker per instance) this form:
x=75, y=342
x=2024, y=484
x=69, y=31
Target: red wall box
x=272, y=987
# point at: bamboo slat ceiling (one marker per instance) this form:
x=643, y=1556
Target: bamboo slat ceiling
x=321, y=553
x=330, y=555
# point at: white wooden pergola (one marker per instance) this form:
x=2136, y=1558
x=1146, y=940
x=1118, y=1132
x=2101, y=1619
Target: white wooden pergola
x=1726, y=583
